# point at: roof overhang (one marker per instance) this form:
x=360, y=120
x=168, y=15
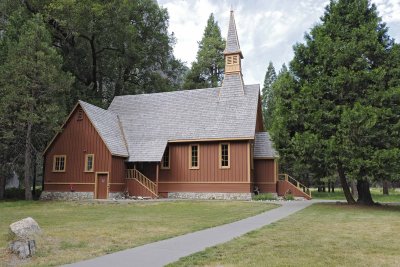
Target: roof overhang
x=211, y=139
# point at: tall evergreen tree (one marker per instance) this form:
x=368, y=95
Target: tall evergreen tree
x=33, y=88
x=208, y=69
x=341, y=78
x=267, y=95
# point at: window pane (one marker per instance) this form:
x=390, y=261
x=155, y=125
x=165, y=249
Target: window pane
x=224, y=155
x=195, y=156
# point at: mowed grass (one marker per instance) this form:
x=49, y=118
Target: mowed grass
x=377, y=195
x=320, y=235
x=76, y=231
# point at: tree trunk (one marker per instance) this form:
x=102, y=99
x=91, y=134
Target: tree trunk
x=28, y=162
x=333, y=187
x=364, y=195
x=329, y=186
x=385, y=185
x=2, y=186
x=34, y=178
x=354, y=191
x=345, y=186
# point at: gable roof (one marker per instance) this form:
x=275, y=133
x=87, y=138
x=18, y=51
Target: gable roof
x=263, y=146
x=107, y=126
x=149, y=121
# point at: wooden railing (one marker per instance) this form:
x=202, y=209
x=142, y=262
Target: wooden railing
x=142, y=179
x=290, y=179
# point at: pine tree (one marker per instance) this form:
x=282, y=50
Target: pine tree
x=337, y=110
x=267, y=95
x=208, y=69
x=33, y=88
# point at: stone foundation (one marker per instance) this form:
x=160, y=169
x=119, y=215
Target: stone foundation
x=49, y=195
x=219, y=196
x=116, y=195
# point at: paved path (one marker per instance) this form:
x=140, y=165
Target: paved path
x=166, y=251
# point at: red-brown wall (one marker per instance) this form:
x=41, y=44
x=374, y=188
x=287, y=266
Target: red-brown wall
x=259, y=119
x=209, y=177
x=79, y=137
x=117, y=180
x=265, y=175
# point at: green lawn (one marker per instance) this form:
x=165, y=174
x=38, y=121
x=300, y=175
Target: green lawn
x=75, y=231
x=377, y=195
x=321, y=235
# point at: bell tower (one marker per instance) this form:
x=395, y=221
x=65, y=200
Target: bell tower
x=233, y=54
x=232, y=84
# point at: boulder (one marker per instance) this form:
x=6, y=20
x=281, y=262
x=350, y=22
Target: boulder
x=23, y=234
x=26, y=228
x=23, y=248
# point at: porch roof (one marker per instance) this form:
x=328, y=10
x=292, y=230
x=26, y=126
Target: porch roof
x=263, y=146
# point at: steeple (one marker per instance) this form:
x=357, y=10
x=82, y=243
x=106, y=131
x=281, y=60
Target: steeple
x=232, y=84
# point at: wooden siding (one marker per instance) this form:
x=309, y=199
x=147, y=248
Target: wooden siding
x=65, y=187
x=265, y=171
x=209, y=177
x=117, y=179
x=79, y=137
x=226, y=187
x=259, y=119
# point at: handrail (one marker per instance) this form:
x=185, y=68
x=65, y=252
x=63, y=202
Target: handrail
x=290, y=179
x=141, y=178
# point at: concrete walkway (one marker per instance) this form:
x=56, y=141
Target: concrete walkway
x=167, y=251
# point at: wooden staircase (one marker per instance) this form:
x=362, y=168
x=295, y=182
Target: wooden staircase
x=142, y=181
x=287, y=182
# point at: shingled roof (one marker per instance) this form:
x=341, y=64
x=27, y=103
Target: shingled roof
x=263, y=146
x=232, y=41
x=149, y=121
x=107, y=126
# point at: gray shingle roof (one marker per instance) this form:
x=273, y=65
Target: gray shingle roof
x=107, y=125
x=232, y=85
x=263, y=146
x=149, y=121
x=232, y=41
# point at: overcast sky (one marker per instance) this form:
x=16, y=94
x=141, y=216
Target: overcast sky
x=267, y=29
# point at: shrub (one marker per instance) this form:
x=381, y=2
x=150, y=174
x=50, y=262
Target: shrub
x=288, y=196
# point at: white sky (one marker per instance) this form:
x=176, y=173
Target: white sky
x=267, y=29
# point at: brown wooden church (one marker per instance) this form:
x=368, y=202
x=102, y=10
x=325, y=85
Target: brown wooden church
x=205, y=143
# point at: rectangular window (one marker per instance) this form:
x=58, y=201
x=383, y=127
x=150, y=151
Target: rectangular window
x=89, y=163
x=194, y=158
x=224, y=156
x=165, y=159
x=59, y=163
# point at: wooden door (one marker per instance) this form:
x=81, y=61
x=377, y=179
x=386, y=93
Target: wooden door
x=102, y=186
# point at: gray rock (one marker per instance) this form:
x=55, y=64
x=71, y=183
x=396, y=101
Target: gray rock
x=23, y=248
x=26, y=228
x=23, y=233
